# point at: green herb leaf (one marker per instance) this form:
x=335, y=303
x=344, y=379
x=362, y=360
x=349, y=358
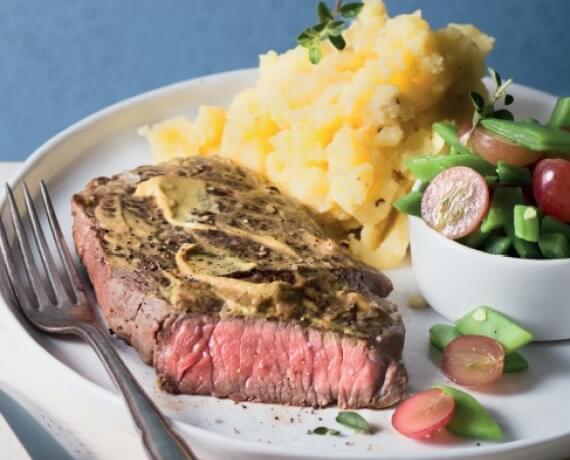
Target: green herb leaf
x=335, y=28
x=477, y=100
x=323, y=12
x=323, y=430
x=320, y=27
x=502, y=114
x=501, y=90
x=315, y=54
x=495, y=76
x=509, y=99
x=351, y=10
x=353, y=420
x=329, y=27
x=338, y=42
x=306, y=40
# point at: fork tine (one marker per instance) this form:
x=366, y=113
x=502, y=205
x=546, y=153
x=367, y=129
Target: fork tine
x=56, y=283
x=39, y=288
x=62, y=245
x=7, y=258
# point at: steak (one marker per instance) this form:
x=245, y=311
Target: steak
x=229, y=288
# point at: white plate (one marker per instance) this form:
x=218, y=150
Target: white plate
x=532, y=407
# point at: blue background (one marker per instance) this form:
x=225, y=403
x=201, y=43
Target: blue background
x=63, y=59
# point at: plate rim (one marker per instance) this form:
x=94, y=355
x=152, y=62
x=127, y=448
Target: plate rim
x=14, y=326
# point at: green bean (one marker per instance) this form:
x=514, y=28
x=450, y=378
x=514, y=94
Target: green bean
x=560, y=117
x=513, y=175
x=554, y=246
x=441, y=334
x=551, y=225
x=474, y=239
x=501, y=211
x=448, y=132
x=498, y=245
x=488, y=322
x=539, y=138
x=526, y=250
x=470, y=418
x=427, y=167
x=527, y=225
x=410, y=204
x=515, y=362
x=491, y=180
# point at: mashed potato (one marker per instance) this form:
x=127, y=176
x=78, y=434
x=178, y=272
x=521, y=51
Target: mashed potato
x=336, y=135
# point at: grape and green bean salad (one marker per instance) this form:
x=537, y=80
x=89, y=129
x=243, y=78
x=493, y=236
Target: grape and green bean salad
x=505, y=186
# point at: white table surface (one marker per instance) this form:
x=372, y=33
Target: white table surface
x=87, y=433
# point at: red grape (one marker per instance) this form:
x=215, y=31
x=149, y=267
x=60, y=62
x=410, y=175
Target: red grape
x=493, y=149
x=551, y=187
x=473, y=360
x=423, y=414
x=456, y=202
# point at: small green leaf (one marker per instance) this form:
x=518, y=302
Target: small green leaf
x=337, y=41
x=315, y=55
x=353, y=420
x=305, y=40
x=322, y=430
x=335, y=28
x=509, y=99
x=351, y=10
x=477, y=100
x=495, y=76
x=502, y=89
x=323, y=12
x=502, y=114
x=320, y=27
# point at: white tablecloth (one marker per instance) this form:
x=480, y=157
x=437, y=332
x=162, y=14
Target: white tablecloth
x=85, y=432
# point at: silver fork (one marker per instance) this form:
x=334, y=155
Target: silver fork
x=57, y=311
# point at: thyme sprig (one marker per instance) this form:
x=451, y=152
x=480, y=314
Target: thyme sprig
x=330, y=27
x=486, y=109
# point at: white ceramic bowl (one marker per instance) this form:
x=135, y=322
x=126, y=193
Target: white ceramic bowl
x=454, y=279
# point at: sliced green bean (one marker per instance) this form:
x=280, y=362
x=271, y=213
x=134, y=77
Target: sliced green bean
x=554, y=246
x=527, y=225
x=539, y=138
x=551, y=225
x=501, y=211
x=410, y=204
x=474, y=239
x=441, y=334
x=498, y=245
x=470, y=418
x=448, y=132
x=513, y=175
x=560, y=117
x=491, y=180
x=526, y=250
x=488, y=322
x=427, y=167
x=515, y=362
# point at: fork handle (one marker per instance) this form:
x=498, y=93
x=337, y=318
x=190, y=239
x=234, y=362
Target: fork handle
x=159, y=439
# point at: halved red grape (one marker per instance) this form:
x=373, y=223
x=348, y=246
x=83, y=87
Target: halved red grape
x=473, y=360
x=493, y=149
x=551, y=187
x=423, y=414
x=455, y=202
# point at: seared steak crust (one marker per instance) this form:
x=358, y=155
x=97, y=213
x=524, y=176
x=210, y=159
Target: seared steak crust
x=246, y=297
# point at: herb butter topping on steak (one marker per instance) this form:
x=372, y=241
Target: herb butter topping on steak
x=230, y=288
